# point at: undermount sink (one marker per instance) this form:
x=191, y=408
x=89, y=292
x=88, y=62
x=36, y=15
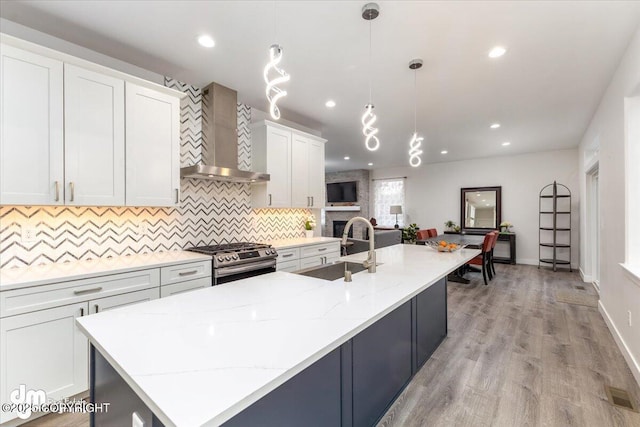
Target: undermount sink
x=331, y=271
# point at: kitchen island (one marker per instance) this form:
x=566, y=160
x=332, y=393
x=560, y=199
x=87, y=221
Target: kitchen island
x=274, y=349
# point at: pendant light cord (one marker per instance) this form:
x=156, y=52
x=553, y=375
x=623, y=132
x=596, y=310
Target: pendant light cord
x=370, y=64
x=415, y=100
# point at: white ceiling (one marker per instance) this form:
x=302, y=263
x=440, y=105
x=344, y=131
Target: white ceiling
x=561, y=56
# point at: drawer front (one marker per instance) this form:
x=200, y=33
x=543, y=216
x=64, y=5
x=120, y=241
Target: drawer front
x=321, y=250
x=178, y=288
x=288, y=254
x=311, y=261
x=116, y=301
x=331, y=257
x=293, y=265
x=184, y=272
x=41, y=297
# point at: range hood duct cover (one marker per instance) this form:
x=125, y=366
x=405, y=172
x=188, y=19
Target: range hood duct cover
x=220, y=139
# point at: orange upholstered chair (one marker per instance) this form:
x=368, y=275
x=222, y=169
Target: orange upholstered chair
x=422, y=234
x=484, y=259
x=432, y=232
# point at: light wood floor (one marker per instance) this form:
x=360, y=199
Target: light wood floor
x=516, y=357
x=513, y=357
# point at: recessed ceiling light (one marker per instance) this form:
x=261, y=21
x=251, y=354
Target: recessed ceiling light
x=484, y=200
x=370, y=164
x=444, y=152
x=495, y=126
x=347, y=157
x=206, y=41
x=497, y=52
x=504, y=144
x=330, y=103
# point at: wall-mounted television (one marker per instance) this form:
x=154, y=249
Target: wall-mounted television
x=342, y=192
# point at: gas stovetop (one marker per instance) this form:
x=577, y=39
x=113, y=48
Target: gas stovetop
x=229, y=254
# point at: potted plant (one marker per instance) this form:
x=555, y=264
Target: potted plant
x=309, y=225
x=410, y=233
x=505, y=227
x=450, y=225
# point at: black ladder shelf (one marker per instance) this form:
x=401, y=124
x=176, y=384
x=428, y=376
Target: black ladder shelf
x=554, y=226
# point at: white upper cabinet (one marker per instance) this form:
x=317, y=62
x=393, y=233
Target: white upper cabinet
x=307, y=170
x=153, y=147
x=94, y=138
x=271, y=153
x=295, y=161
x=316, y=182
x=68, y=127
x=299, y=162
x=31, y=128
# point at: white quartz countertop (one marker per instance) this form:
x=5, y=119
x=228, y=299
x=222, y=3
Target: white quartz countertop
x=201, y=357
x=299, y=241
x=22, y=277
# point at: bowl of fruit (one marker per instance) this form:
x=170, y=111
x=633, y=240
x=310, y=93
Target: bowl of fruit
x=444, y=246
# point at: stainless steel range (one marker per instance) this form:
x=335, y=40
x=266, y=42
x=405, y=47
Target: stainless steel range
x=234, y=261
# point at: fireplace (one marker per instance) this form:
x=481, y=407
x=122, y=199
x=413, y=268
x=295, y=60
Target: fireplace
x=338, y=228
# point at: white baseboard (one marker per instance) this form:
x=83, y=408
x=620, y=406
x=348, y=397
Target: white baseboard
x=633, y=364
x=585, y=277
x=596, y=286
x=529, y=261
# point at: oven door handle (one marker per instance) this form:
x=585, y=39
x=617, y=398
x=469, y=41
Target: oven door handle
x=228, y=271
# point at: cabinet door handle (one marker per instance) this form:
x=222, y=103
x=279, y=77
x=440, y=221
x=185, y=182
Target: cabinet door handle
x=322, y=249
x=287, y=255
x=72, y=186
x=57, y=184
x=87, y=291
x=96, y=308
x=269, y=199
x=311, y=200
x=177, y=196
x=81, y=311
x=187, y=273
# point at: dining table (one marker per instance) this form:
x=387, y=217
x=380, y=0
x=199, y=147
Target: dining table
x=473, y=241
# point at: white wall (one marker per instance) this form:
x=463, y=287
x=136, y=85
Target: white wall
x=29, y=34
x=432, y=195
x=619, y=294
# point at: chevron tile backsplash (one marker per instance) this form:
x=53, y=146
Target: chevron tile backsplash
x=209, y=212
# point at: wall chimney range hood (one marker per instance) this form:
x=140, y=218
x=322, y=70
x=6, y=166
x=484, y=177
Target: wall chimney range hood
x=220, y=139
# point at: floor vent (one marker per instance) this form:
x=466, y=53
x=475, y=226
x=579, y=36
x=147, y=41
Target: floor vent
x=580, y=287
x=620, y=398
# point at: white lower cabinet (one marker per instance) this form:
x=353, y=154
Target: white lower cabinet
x=109, y=303
x=189, y=285
x=40, y=345
x=43, y=350
x=184, y=277
x=306, y=256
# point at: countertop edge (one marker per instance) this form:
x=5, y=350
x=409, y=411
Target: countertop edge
x=100, y=269
x=299, y=242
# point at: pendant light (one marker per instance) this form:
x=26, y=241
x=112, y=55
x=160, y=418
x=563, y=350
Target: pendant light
x=273, y=92
x=416, y=141
x=370, y=11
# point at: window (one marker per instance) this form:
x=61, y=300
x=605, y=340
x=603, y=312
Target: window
x=386, y=193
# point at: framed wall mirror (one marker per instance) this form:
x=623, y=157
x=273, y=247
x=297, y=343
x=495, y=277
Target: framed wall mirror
x=480, y=209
